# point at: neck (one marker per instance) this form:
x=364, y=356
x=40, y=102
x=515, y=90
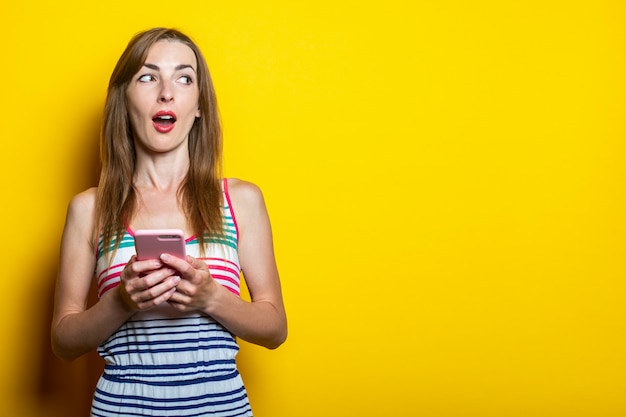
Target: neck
x=160, y=174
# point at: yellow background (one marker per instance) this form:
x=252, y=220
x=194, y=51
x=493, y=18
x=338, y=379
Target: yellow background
x=445, y=181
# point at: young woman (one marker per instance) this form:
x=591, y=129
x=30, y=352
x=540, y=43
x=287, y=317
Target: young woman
x=166, y=328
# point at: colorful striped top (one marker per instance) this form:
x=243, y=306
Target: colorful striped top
x=165, y=363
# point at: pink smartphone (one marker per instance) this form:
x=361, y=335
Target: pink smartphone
x=151, y=243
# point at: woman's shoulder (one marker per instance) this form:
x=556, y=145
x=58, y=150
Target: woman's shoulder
x=83, y=205
x=81, y=217
x=243, y=189
x=85, y=200
x=246, y=197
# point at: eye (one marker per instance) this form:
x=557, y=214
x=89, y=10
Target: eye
x=146, y=78
x=185, y=79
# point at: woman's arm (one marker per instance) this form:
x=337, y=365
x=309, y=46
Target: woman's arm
x=263, y=320
x=77, y=330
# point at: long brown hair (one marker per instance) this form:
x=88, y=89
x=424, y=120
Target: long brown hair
x=201, y=191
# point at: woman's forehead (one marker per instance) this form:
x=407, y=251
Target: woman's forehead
x=171, y=52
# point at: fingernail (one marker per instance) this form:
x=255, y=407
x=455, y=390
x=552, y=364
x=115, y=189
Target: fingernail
x=165, y=257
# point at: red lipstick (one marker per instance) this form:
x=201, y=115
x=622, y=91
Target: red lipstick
x=164, y=121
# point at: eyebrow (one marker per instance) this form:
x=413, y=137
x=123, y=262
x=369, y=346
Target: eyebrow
x=178, y=67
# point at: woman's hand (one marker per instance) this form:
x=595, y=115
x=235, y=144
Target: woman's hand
x=146, y=284
x=196, y=288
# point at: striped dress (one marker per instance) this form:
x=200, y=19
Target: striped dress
x=165, y=363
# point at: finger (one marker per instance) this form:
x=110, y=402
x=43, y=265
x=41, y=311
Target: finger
x=137, y=286
x=136, y=268
x=150, y=286
x=178, y=306
x=186, y=270
x=179, y=298
x=174, y=262
x=156, y=277
x=195, y=272
x=158, y=293
x=186, y=288
x=197, y=263
x=165, y=297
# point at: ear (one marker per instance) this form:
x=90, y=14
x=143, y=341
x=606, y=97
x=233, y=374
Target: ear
x=198, y=114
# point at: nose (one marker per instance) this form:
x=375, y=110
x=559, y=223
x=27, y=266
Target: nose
x=166, y=93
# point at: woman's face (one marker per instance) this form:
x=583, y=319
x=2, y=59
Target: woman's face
x=163, y=97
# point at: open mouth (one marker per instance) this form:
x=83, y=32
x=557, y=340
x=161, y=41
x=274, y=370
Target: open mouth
x=164, y=121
